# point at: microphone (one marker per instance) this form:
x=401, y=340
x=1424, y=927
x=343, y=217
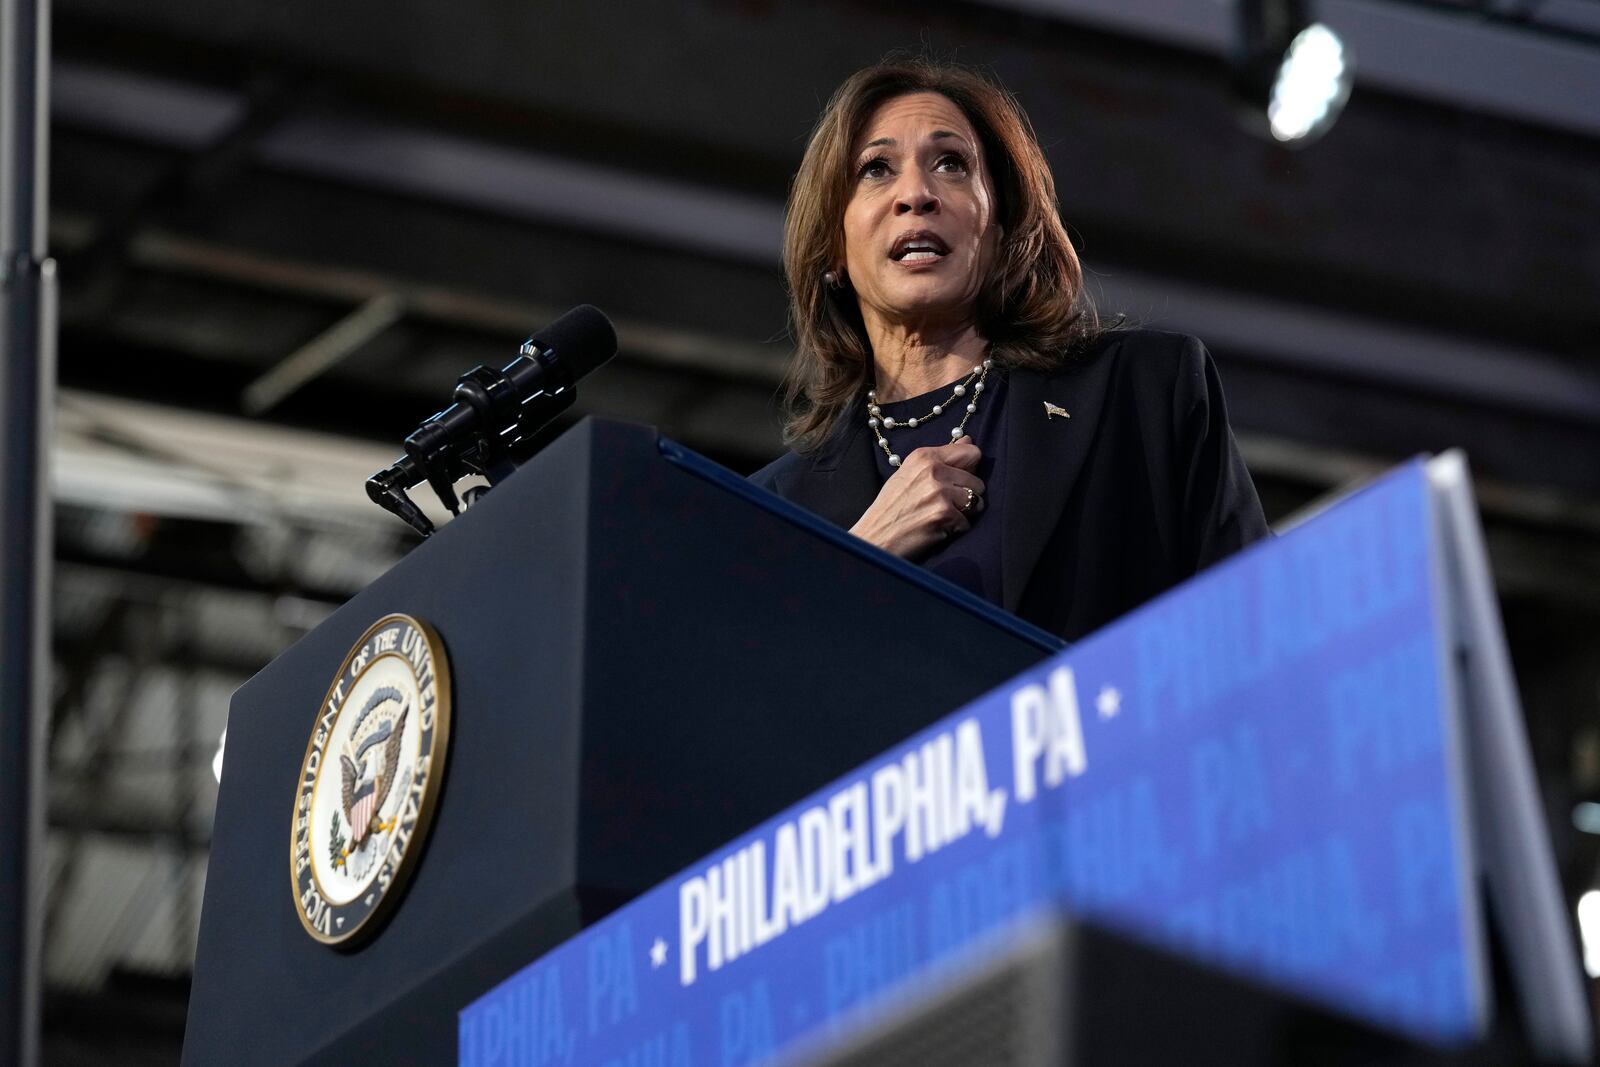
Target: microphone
x=494, y=412
x=555, y=357
x=581, y=340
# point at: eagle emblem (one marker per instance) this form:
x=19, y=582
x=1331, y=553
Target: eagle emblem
x=367, y=776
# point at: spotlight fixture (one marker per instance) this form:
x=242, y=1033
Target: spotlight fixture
x=1291, y=75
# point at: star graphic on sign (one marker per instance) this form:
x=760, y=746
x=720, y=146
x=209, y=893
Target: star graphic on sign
x=658, y=953
x=1109, y=702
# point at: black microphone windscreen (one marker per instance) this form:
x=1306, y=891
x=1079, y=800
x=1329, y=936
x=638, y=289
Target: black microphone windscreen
x=582, y=339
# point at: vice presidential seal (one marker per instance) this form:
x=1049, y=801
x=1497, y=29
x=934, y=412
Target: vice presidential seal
x=370, y=777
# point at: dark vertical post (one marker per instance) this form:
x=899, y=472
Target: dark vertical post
x=27, y=386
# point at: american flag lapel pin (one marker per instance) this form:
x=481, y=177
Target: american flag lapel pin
x=1052, y=410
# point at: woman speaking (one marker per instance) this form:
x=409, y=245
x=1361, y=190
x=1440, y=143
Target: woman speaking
x=953, y=398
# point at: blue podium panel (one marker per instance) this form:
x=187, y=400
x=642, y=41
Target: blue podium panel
x=1261, y=768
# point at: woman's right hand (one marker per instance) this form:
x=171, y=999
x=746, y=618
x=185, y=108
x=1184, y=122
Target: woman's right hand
x=920, y=505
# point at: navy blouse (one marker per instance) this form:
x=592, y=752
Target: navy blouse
x=970, y=560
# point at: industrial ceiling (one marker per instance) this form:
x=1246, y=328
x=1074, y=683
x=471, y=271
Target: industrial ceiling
x=284, y=229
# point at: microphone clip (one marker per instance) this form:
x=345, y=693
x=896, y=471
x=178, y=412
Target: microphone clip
x=480, y=433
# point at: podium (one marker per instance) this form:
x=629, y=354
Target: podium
x=646, y=657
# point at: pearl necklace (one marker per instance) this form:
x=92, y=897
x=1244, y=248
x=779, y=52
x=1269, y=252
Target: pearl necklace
x=879, y=422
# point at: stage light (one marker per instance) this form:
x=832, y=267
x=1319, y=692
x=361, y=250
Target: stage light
x=1589, y=931
x=1586, y=817
x=1292, y=76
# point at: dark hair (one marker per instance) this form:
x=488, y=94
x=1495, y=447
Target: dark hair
x=1031, y=308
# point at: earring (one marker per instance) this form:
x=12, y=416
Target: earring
x=830, y=279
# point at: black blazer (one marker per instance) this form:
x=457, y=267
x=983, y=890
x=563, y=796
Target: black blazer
x=1139, y=488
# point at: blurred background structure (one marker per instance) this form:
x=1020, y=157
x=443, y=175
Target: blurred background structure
x=283, y=230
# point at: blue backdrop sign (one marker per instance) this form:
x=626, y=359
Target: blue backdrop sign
x=1261, y=768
